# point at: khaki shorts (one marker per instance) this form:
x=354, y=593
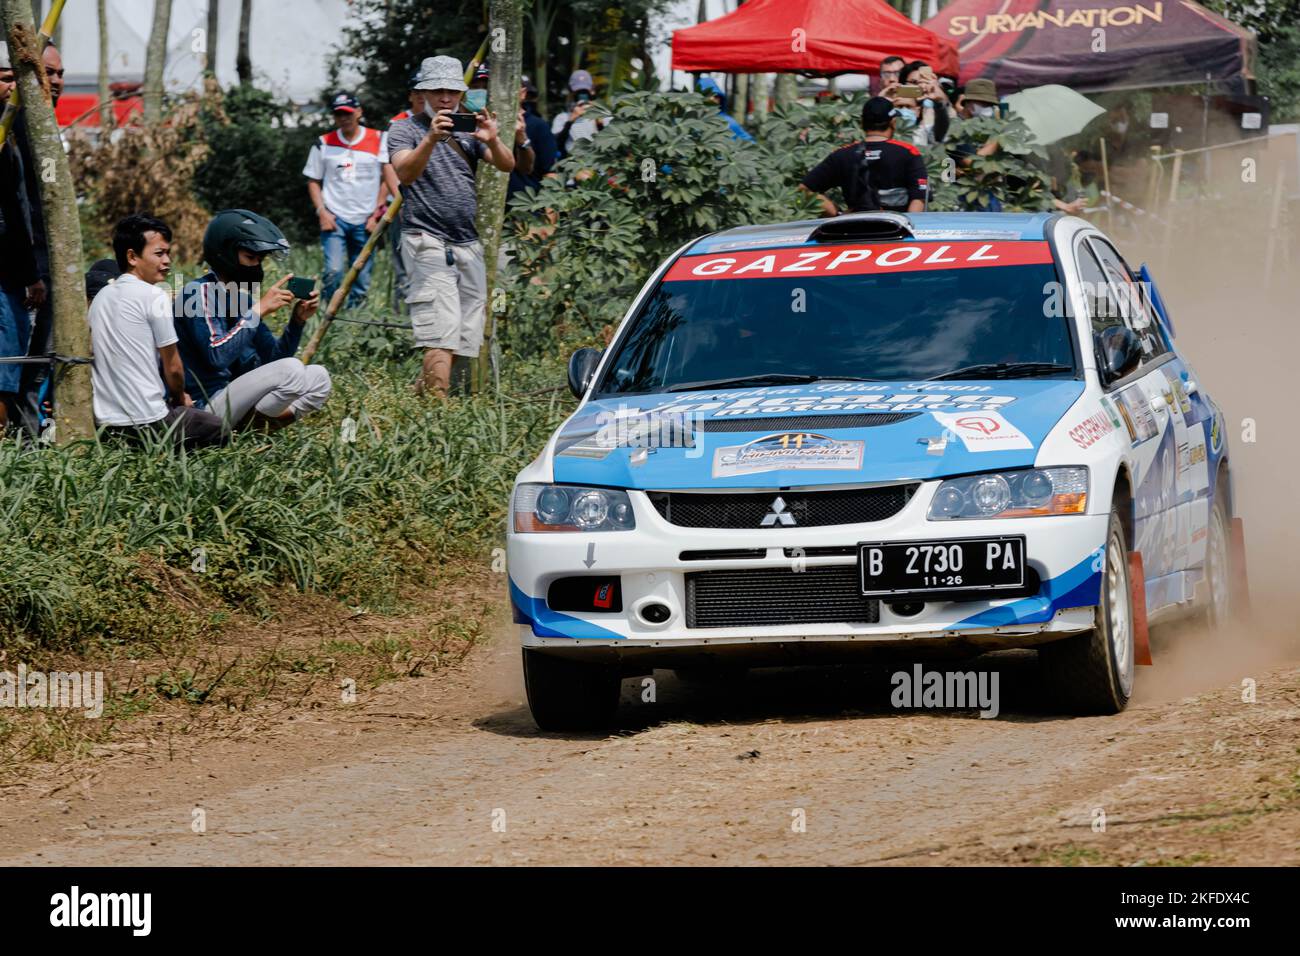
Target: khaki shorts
x=447, y=303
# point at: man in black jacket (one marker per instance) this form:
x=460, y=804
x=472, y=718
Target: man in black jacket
x=21, y=288
x=878, y=172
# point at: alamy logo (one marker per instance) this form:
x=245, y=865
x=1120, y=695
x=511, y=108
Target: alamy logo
x=954, y=690
x=103, y=909
x=54, y=689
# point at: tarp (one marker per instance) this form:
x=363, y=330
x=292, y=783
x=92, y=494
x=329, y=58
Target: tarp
x=808, y=36
x=1093, y=45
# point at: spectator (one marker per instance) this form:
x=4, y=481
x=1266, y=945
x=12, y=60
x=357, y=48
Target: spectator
x=928, y=113
x=444, y=258
x=891, y=74
x=345, y=181
x=100, y=274
x=571, y=126
x=132, y=335
x=38, y=334
x=21, y=288
x=234, y=366
x=537, y=134
x=709, y=87
x=978, y=101
x=879, y=172
x=523, y=147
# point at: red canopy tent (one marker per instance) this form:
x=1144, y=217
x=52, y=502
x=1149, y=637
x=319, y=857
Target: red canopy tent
x=808, y=36
x=1023, y=43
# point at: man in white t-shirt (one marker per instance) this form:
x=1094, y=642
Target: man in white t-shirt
x=345, y=181
x=131, y=333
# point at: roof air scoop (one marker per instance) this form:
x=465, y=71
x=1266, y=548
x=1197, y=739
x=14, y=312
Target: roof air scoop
x=864, y=227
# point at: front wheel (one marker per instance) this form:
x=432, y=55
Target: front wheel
x=1093, y=673
x=1219, y=563
x=567, y=694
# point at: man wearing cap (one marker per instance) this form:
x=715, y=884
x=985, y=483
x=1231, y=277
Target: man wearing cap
x=571, y=126
x=978, y=100
x=345, y=182
x=878, y=172
x=446, y=280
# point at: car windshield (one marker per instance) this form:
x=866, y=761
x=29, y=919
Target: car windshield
x=997, y=321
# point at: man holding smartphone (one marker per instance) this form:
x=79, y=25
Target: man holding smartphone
x=344, y=180
x=435, y=154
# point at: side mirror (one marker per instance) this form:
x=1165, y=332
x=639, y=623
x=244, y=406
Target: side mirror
x=582, y=366
x=1119, y=351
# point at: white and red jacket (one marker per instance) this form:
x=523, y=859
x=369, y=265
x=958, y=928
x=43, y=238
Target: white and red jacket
x=349, y=172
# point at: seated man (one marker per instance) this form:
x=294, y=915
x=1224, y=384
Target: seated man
x=234, y=366
x=131, y=332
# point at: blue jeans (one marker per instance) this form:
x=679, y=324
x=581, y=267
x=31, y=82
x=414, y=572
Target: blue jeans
x=341, y=247
x=15, y=337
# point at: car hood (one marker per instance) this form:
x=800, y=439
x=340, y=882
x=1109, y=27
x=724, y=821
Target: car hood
x=825, y=433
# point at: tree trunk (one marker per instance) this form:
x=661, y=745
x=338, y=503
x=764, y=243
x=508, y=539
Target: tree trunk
x=541, y=19
x=503, y=97
x=787, y=90
x=210, y=54
x=106, y=117
x=740, y=108
x=62, y=228
x=155, y=61
x=243, y=62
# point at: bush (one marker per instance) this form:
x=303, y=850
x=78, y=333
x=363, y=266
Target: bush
x=144, y=170
x=664, y=172
x=257, y=147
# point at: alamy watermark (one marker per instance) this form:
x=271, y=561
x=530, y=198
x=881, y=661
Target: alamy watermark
x=949, y=690
x=53, y=690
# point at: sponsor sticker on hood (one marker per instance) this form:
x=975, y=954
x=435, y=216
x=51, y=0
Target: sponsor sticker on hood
x=787, y=451
x=984, y=431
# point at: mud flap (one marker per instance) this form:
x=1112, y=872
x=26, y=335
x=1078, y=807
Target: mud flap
x=1238, y=582
x=1137, y=583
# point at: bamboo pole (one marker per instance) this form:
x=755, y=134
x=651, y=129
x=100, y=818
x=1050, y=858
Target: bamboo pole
x=1110, y=197
x=341, y=293
x=1274, y=220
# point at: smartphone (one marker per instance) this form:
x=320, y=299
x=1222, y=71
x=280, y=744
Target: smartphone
x=476, y=100
x=301, y=286
x=908, y=92
x=463, y=122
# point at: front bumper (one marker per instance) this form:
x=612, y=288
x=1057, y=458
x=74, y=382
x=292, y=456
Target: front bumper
x=1064, y=551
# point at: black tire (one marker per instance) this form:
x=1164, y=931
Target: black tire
x=565, y=694
x=1083, y=674
x=1220, y=607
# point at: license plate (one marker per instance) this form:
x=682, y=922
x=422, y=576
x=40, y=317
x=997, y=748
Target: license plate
x=962, y=564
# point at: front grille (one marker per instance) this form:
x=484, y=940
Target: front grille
x=795, y=423
x=807, y=509
x=754, y=597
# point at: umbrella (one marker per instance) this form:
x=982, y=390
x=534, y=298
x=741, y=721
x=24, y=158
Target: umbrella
x=1053, y=112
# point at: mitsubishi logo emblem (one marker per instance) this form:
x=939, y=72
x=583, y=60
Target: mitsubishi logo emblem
x=778, y=514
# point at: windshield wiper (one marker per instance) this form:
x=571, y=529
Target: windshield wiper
x=1003, y=370
x=769, y=378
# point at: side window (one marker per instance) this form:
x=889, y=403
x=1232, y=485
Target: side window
x=1132, y=304
x=1103, y=312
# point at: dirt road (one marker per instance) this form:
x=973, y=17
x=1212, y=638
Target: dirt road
x=796, y=767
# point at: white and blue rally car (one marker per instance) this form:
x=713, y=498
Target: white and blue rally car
x=966, y=431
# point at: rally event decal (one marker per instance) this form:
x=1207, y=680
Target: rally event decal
x=788, y=451
x=878, y=258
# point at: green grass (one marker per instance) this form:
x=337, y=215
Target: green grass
x=106, y=542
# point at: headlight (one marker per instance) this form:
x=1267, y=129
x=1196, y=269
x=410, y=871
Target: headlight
x=1013, y=494
x=571, y=508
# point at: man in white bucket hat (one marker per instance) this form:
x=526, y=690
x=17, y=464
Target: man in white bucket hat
x=446, y=281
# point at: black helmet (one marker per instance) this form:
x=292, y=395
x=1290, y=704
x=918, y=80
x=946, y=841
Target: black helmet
x=233, y=229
